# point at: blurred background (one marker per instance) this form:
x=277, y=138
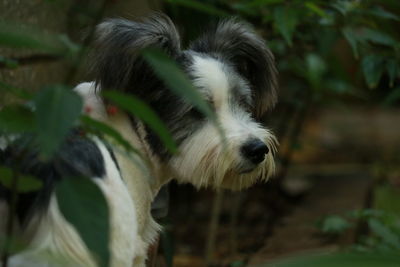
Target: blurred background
x=337, y=187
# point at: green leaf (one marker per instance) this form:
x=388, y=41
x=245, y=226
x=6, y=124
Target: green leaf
x=99, y=127
x=381, y=13
x=25, y=184
x=316, y=67
x=286, y=20
x=139, y=109
x=57, y=110
x=373, y=67
x=16, y=119
x=384, y=232
x=17, y=36
x=341, y=259
x=334, y=225
x=316, y=9
x=351, y=37
x=345, y=7
x=377, y=37
x=83, y=204
x=200, y=6
x=167, y=70
x=177, y=81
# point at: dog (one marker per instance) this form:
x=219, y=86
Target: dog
x=233, y=70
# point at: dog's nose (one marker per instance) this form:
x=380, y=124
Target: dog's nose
x=255, y=150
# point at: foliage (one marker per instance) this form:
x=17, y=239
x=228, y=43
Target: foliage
x=327, y=52
x=383, y=229
x=307, y=38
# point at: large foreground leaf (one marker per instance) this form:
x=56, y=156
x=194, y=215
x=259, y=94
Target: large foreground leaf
x=140, y=109
x=83, y=204
x=57, y=109
x=25, y=183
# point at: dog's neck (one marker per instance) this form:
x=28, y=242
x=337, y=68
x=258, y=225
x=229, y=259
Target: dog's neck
x=147, y=166
x=145, y=174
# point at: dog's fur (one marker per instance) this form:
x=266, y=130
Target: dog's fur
x=232, y=69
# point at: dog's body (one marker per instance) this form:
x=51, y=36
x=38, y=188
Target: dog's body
x=232, y=69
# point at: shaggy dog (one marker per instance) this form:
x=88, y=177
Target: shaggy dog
x=232, y=69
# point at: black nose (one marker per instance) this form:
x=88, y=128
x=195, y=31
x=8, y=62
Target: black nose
x=255, y=150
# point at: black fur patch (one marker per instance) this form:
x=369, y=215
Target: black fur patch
x=78, y=156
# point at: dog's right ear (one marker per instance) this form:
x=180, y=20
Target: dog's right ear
x=116, y=60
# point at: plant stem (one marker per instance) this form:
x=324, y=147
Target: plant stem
x=213, y=227
x=10, y=219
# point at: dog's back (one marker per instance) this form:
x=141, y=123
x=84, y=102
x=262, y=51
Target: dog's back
x=48, y=235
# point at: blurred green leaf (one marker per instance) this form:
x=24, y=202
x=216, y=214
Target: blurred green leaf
x=382, y=13
x=57, y=110
x=351, y=37
x=18, y=36
x=377, y=37
x=341, y=259
x=176, y=80
x=344, y=6
x=83, y=204
x=25, y=184
x=139, y=109
x=200, y=6
x=316, y=67
x=316, y=9
x=382, y=231
x=99, y=128
x=334, y=225
x=373, y=67
x=16, y=119
x=286, y=20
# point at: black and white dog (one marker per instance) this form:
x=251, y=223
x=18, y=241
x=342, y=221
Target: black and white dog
x=233, y=70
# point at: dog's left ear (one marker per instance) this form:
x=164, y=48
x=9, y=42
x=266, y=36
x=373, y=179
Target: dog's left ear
x=238, y=43
x=116, y=57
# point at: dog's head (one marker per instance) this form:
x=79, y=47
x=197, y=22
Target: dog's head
x=232, y=69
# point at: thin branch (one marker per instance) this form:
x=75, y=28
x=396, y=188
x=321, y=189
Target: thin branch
x=10, y=219
x=213, y=227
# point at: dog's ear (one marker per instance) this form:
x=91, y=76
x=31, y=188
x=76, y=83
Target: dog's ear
x=116, y=60
x=237, y=42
